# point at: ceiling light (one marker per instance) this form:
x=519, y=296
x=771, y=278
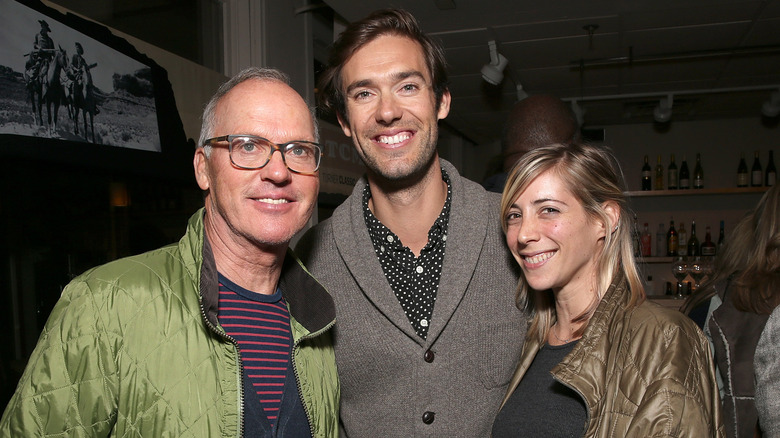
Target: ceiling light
x=579, y=113
x=493, y=73
x=521, y=94
x=771, y=108
x=663, y=112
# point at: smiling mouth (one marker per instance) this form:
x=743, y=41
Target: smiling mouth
x=272, y=201
x=538, y=258
x=392, y=140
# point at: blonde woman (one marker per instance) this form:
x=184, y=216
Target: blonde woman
x=598, y=360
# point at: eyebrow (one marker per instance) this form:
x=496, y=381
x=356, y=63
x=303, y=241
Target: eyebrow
x=540, y=201
x=396, y=77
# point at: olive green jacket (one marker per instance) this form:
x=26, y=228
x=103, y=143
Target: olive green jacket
x=133, y=349
x=643, y=371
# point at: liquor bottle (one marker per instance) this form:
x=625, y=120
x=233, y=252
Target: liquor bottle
x=685, y=175
x=671, y=240
x=742, y=173
x=708, y=248
x=721, y=236
x=672, y=171
x=693, y=242
x=646, y=173
x=698, y=174
x=660, y=240
x=647, y=241
x=682, y=240
x=636, y=239
x=770, y=176
x=756, y=173
x=659, y=175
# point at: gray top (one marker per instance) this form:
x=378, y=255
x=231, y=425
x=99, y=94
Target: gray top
x=767, y=371
x=394, y=383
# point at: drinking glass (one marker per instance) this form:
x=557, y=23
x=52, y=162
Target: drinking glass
x=680, y=271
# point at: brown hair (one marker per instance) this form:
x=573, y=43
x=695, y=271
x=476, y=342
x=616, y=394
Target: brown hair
x=382, y=22
x=751, y=258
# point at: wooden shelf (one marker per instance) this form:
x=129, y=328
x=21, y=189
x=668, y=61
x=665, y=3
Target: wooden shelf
x=651, y=260
x=696, y=192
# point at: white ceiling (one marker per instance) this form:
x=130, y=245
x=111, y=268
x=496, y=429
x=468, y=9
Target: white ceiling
x=700, y=51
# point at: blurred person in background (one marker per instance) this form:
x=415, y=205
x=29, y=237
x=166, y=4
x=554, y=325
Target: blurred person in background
x=743, y=322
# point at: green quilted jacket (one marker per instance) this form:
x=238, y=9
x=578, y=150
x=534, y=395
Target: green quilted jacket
x=133, y=349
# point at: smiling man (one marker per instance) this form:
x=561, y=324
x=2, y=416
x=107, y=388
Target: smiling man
x=224, y=334
x=415, y=259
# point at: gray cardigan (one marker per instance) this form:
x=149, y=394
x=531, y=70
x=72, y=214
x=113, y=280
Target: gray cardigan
x=394, y=384
x=766, y=365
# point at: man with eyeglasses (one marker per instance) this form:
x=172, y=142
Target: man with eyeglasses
x=224, y=334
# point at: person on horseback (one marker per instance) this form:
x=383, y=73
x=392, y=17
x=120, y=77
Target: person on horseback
x=43, y=51
x=80, y=71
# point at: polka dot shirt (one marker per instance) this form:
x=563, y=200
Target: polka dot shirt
x=415, y=280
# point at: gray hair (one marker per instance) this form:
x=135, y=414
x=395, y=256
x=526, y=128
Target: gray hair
x=251, y=73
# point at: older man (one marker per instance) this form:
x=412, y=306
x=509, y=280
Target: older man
x=428, y=333
x=221, y=335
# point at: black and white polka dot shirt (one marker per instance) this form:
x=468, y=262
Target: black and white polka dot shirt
x=415, y=280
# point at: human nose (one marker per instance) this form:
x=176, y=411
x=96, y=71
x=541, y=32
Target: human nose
x=388, y=109
x=528, y=231
x=276, y=169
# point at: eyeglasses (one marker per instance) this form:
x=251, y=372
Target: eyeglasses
x=253, y=152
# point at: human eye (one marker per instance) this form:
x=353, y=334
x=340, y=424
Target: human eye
x=299, y=150
x=361, y=95
x=513, y=217
x=410, y=88
x=549, y=210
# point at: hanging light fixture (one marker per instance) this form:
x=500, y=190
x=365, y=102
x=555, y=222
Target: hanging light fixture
x=771, y=108
x=493, y=73
x=663, y=112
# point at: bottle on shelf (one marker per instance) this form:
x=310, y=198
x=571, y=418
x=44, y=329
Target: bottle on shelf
x=698, y=174
x=770, y=176
x=650, y=286
x=636, y=239
x=660, y=240
x=682, y=240
x=721, y=236
x=671, y=240
x=685, y=175
x=756, y=173
x=693, y=242
x=659, y=175
x=646, y=242
x=672, y=173
x=742, y=173
x=646, y=175
x=708, y=247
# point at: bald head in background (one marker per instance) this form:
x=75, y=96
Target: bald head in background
x=533, y=122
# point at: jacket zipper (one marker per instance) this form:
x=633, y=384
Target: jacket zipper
x=240, y=401
x=297, y=378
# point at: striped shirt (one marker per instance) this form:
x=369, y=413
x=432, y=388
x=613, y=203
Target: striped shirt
x=260, y=324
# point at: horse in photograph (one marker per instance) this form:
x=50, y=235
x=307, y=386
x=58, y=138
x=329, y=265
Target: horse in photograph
x=45, y=88
x=84, y=101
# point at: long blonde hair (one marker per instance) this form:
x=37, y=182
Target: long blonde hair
x=592, y=175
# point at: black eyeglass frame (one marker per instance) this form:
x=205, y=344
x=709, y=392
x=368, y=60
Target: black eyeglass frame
x=274, y=147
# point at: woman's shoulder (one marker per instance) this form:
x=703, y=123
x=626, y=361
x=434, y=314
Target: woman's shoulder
x=659, y=322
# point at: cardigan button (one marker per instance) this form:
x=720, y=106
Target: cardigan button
x=429, y=356
x=427, y=417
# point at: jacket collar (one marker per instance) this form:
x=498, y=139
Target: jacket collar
x=309, y=302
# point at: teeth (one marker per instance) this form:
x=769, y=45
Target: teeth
x=538, y=258
x=273, y=201
x=394, y=139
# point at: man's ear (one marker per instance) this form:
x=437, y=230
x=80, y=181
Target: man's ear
x=444, y=105
x=201, y=164
x=344, y=123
